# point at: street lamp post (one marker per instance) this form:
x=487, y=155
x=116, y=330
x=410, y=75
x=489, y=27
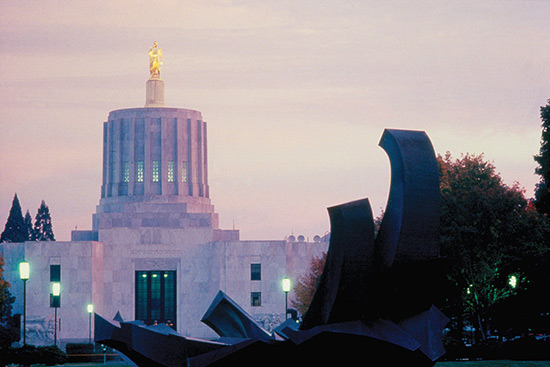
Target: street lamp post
x=90, y=311
x=24, y=275
x=55, y=303
x=286, y=289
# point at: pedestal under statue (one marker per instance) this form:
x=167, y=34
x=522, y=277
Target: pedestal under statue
x=154, y=87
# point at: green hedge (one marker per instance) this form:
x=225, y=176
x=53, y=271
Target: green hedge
x=29, y=354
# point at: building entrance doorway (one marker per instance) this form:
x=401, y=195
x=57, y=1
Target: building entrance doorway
x=156, y=297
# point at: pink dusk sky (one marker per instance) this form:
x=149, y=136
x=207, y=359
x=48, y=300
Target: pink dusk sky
x=296, y=95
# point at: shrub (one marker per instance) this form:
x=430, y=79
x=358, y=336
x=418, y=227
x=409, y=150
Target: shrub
x=29, y=354
x=52, y=355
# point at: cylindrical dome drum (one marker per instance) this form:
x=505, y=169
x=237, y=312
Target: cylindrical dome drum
x=150, y=152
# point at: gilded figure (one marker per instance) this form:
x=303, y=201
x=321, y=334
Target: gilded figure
x=155, y=60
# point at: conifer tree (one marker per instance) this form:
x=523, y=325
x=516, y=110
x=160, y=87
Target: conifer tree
x=28, y=225
x=43, y=230
x=542, y=193
x=14, y=231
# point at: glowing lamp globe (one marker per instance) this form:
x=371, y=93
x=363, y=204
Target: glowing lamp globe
x=24, y=270
x=56, y=289
x=286, y=285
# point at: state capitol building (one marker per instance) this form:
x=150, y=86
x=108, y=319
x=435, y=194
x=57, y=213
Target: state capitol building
x=155, y=251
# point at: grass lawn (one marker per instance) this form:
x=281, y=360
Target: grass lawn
x=438, y=364
x=494, y=364
x=97, y=364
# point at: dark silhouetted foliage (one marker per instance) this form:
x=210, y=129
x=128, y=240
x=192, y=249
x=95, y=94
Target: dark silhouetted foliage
x=542, y=192
x=307, y=284
x=14, y=231
x=488, y=233
x=8, y=331
x=43, y=230
x=29, y=354
x=28, y=226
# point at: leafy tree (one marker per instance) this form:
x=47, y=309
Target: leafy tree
x=488, y=234
x=307, y=284
x=14, y=231
x=43, y=230
x=8, y=333
x=542, y=193
x=28, y=225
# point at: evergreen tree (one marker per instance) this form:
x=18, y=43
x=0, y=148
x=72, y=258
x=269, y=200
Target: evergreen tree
x=542, y=193
x=43, y=230
x=28, y=225
x=14, y=231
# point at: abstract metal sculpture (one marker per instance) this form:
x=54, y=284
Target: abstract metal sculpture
x=375, y=299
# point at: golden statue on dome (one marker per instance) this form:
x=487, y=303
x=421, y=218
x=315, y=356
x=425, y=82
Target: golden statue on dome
x=155, y=61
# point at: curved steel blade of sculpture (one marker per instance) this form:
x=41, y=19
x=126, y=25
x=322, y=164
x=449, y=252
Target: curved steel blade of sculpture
x=228, y=319
x=410, y=228
x=340, y=294
x=408, y=266
x=363, y=278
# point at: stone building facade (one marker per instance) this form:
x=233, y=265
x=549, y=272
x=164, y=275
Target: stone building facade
x=155, y=251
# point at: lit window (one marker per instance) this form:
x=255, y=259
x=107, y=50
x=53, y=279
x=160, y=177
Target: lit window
x=170, y=171
x=256, y=299
x=126, y=177
x=155, y=171
x=183, y=171
x=139, y=171
x=255, y=271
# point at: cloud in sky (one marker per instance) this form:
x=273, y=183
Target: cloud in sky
x=296, y=96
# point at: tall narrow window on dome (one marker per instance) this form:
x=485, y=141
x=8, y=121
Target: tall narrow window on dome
x=155, y=174
x=126, y=177
x=139, y=171
x=170, y=171
x=183, y=171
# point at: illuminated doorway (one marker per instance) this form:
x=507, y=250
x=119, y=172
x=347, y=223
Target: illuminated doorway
x=156, y=297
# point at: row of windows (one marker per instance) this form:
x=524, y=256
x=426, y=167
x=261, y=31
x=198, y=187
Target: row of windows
x=155, y=172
